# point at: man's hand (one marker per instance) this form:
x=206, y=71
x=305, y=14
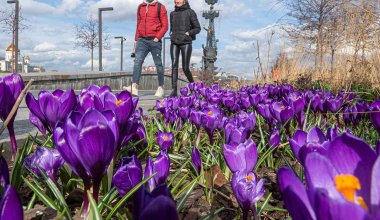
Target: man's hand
x=134, y=47
x=156, y=39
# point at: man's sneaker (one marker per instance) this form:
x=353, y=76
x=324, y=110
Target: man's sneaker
x=160, y=92
x=132, y=89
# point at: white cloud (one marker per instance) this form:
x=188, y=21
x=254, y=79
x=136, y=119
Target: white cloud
x=44, y=47
x=32, y=7
x=69, y=5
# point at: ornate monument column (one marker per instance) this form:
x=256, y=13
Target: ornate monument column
x=210, y=50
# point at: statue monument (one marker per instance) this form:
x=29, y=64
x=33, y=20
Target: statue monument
x=210, y=50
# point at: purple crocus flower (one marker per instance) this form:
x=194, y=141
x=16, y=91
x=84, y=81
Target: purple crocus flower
x=275, y=138
x=378, y=147
x=375, y=115
x=342, y=184
x=334, y=104
x=88, y=143
x=254, y=99
x=50, y=108
x=184, y=91
x=10, y=88
x=234, y=134
x=161, y=105
x=165, y=139
x=135, y=132
x=38, y=123
x=264, y=111
x=158, y=204
x=89, y=99
x=161, y=166
x=148, y=172
x=121, y=104
x=241, y=159
x=128, y=175
x=305, y=143
x=282, y=112
x=184, y=113
x=185, y=101
x=10, y=205
x=332, y=133
x=298, y=141
x=247, y=190
x=96, y=90
x=229, y=100
x=210, y=120
x=196, y=159
x=297, y=101
x=46, y=159
x=247, y=120
x=316, y=101
x=244, y=102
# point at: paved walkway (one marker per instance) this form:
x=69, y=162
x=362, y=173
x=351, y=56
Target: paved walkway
x=23, y=127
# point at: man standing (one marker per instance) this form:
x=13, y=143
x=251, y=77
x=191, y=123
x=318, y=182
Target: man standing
x=152, y=24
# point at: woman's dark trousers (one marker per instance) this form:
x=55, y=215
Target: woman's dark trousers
x=185, y=50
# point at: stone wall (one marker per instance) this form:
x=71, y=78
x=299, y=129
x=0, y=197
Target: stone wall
x=79, y=80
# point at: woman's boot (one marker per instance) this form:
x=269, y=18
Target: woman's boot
x=174, y=83
x=189, y=76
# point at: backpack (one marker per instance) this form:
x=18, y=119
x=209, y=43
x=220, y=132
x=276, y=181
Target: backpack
x=158, y=10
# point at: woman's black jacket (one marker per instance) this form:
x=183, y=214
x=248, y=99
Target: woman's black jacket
x=183, y=19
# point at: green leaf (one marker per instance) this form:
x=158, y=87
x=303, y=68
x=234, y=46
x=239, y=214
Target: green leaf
x=17, y=170
x=172, y=178
x=31, y=202
x=93, y=207
x=215, y=213
x=182, y=202
x=264, y=157
x=57, y=193
x=111, y=195
x=179, y=183
x=41, y=195
x=160, y=127
x=263, y=206
x=129, y=194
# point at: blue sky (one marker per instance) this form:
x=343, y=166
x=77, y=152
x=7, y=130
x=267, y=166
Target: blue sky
x=49, y=40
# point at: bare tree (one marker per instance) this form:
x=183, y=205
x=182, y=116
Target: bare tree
x=86, y=35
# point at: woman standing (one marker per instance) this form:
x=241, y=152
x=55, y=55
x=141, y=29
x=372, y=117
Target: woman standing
x=184, y=25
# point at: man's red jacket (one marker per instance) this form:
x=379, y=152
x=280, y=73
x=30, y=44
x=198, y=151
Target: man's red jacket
x=148, y=23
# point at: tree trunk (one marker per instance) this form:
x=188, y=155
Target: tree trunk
x=92, y=59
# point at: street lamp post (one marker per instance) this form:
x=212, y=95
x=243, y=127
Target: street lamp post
x=122, y=39
x=15, y=48
x=100, y=10
x=164, y=55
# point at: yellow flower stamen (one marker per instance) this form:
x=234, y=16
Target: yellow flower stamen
x=249, y=178
x=166, y=138
x=118, y=102
x=362, y=203
x=209, y=113
x=348, y=185
x=282, y=107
